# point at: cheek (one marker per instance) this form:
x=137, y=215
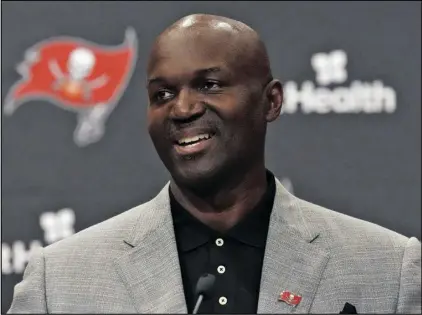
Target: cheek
x=155, y=125
x=245, y=110
x=150, y=125
x=233, y=105
x=248, y=122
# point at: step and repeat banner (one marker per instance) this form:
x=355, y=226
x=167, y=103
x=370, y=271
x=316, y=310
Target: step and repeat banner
x=349, y=136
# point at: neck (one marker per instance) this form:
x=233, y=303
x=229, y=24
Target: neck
x=221, y=209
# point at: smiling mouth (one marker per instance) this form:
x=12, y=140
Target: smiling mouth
x=192, y=141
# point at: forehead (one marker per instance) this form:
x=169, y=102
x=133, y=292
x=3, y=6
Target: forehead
x=186, y=52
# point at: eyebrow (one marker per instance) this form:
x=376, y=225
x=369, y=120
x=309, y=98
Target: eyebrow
x=200, y=72
x=207, y=70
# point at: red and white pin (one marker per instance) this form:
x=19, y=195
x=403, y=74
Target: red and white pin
x=290, y=298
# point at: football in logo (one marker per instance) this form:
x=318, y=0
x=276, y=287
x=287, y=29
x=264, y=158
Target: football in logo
x=76, y=75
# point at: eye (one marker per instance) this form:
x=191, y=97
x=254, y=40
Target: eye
x=163, y=95
x=210, y=86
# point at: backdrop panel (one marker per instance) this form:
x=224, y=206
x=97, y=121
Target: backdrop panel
x=348, y=139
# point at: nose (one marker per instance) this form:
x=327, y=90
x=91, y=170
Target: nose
x=187, y=107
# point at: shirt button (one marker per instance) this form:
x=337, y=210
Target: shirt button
x=219, y=242
x=221, y=269
x=222, y=300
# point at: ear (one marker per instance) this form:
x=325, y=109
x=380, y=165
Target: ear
x=274, y=94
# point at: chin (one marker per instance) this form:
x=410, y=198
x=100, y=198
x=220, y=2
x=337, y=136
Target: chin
x=197, y=175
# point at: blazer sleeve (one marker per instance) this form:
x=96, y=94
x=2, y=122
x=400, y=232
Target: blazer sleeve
x=409, y=301
x=29, y=295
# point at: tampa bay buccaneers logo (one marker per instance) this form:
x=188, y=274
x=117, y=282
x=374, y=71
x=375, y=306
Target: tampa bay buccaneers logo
x=76, y=75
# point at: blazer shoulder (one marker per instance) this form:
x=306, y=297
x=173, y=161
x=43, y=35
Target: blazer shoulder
x=109, y=233
x=342, y=229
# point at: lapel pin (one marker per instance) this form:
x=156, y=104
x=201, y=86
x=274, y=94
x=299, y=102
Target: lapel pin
x=290, y=298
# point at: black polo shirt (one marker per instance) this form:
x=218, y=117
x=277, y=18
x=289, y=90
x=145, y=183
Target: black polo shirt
x=235, y=257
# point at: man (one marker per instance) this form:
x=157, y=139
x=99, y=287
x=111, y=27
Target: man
x=211, y=95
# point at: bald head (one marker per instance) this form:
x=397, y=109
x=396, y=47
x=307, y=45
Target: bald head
x=203, y=22
x=235, y=41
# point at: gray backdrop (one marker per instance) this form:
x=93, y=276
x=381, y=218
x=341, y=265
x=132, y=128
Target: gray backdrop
x=349, y=139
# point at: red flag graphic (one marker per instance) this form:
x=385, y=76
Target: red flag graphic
x=74, y=73
x=77, y=75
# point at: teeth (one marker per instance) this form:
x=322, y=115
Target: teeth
x=204, y=136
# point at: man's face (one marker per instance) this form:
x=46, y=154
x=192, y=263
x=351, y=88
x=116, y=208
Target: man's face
x=205, y=115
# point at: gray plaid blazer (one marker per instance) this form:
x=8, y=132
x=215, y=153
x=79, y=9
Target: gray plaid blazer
x=129, y=264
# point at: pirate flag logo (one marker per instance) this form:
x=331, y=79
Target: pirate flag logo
x=76, y=75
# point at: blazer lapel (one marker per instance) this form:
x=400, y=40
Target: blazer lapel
x=150, y=268
x=294, y=261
